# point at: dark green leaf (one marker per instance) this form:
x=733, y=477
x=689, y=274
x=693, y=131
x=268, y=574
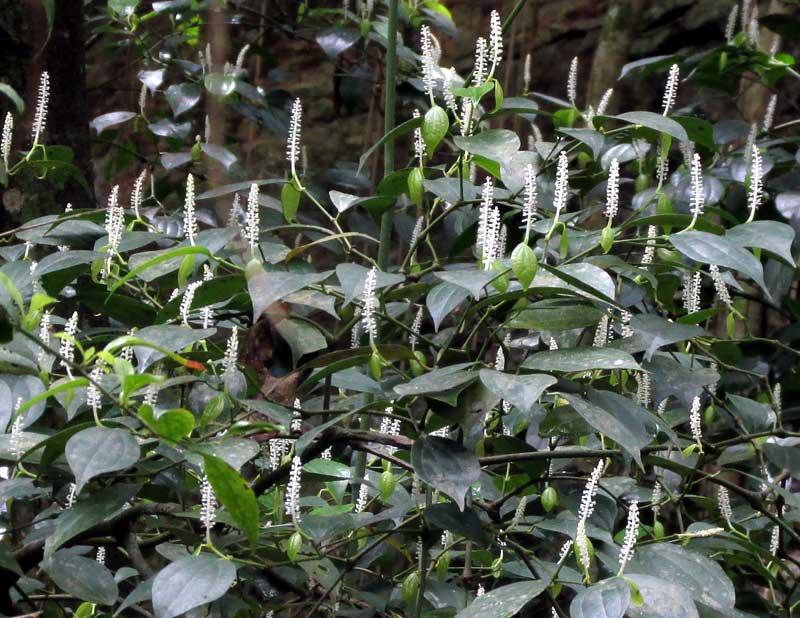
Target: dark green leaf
x=657, y=122
x=606, y=599
x=234, y=494
x=494, y=144
x=191, y=582
x=580, y=359
x=81, y=577
x=503, y=602
x=445, y=465
x=521, y=390
x=98, y=450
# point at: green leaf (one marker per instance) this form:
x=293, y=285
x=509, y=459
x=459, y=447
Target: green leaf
x=191, y=582
x=494, y=144
x=699, y=131
x=524, y=264
x=434, y=128
x=88, y=513
x=353, y=276
x=772, y=236
x=12, y=94
x=711, y=249
x=267, y=288
x=98, y=450
x=219, y=85
x=81, y=577
x=521, y=390
x=301, y=337
x=436, y=381
x=8, y=560
x=702, y=577
x=784, y=454
x=650, y=332
x=447, y=516
x=234, y=494
x=182, y=97
x=593, y=139
x=443, y=299
x=175, y=425
x=662, y=599
x=755, y=416
x=610, y=423
x=476, y=93
x=111, y=119
x=606, y=599
x=290, y=201
x=445, y=465
x=169, y=337
x=581, y=359
x=471, y=280
x=657, y=122
x=556, y=314
x=504, y=602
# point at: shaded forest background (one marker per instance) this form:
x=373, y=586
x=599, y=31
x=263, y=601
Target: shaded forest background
x=94, y=72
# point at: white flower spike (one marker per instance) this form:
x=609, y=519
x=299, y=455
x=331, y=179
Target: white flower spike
x=612, y=191
x=756, y=184
x=495, y=41
x=253, y=219
x=695, y=422
x=293, y=141
x=190, y=228
x=698, y=189
x=5, y=142
x=671, y=90
x=631, y=534
x=479, y=73
x=40, y=117
x=370, y=304
x=572, y=81
x=292, y=506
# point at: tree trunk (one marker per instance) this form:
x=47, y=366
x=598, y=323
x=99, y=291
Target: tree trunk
x=620, y=27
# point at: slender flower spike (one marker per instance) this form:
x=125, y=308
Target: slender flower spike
x=67, y=347
x=15, y=443
x=253, y=220
x=587, y=504
x=601, y=333
x=447, y=90
x=142, y=98
x=582, y=545
x=416, y=232
x=526, y=74
x=94, y=398
x=241, y=57
x=363, y=496
x=561, y=190
x=724, y=500
x=671, y=90
x=769, y=114
x=756, y=184
x=479, y=73
x=370, y=304
x=419, y=143
x=553, y=344
x=612, y=191
x=572, y=81
x=231, y=354
x=189, y=218
x=466, y=120
x=698, y=190
x=603, y=105
x=775, y=541
x=495, y=41
x=208, y=504
x=719, y=285
x=72, y=495
x=695, y=421
x=5, y=142
x=416, y=325
x=644, y=391
x=40, y=117
x=529, y=209
x=730, y=26
x=188, y=299
x=691, y=292
x=44, y=336
x=655, y=499
x=292, y=506
x=777, y=398
x=427, y=64
x=101, y=555
x=627, y=330
x=293, y=141
x=650, y=247
x=138, y=193
x=631, y=533
x=297, y=419
x=115, y=222
x=500, y=360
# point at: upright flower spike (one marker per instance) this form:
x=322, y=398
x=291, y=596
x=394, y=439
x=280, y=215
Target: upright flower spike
x=142, y=99
x=724, y=501
x=40, y=117
x=419, y=143
x=604, y=101
x=695, y=422
x=253, y=219
x=297, y=419
x=67, y=348
x=231, y=354
x=585, y=511
x=671, y=90
x=416, y=325
x=447, y=90
x=495, y=41
x=775, y=541
x=241, y=57
x=631, y=534
x=627, y=330
x=187, y=300
x=44, y=337
x=426, y=61
x=480, y=71
x=719, y=285
x=529, y=207
x=655, y=499
x=691, y=292
x=416, y=232
x=208, y=504
x=552, y=344
x=752, y=27
x=492, y=239
x=730, y=26
x=94, y=397
x=15, y=443
x=115, y=222
x=500, y=360
x=756, y=184
x=363, y=497
x=650, y=247
x=190, y=228
x=292, y=503
x=769, y=114
x=698, y=189
x=293, y=141
x=137, y=195
x=101, y=555
x=466, y=118
x=72, y=495
x=644, y=390
x=572, y=81
x=370, y=304
x=612, y=191
x=526, y=74
x=777, y=399
x=561, y=190
x=601, y=333
x=5, y=142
